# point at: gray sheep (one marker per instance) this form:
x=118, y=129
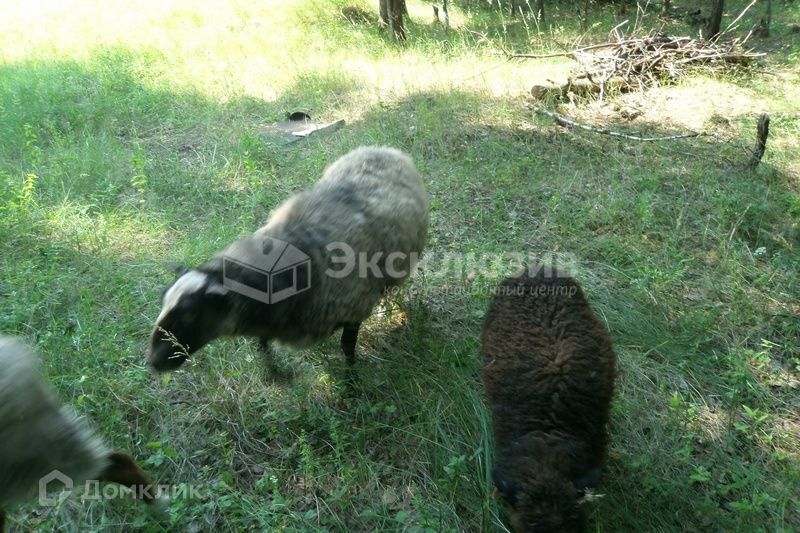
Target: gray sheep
x=549, y=369
x=38, y=436
x=322, y=262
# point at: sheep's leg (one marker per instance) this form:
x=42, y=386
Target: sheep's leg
x=124, y=470
x=349, y=338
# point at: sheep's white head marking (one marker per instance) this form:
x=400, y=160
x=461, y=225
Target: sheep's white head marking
x=195, y=311
x=191, y=282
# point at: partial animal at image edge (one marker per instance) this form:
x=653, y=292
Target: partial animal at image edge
x=38, y=436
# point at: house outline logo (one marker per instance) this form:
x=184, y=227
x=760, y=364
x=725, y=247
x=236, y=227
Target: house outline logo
x=55, y=499
x=284, y=269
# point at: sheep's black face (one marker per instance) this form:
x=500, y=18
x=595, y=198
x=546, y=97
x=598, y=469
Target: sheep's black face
x=548, y=509
x=194, y=311
x=541, y=504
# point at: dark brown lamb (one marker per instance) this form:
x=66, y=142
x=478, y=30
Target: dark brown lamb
x=549, y=370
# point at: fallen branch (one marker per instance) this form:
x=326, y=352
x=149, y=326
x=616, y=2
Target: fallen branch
x=737, y=19
x=568, y=53
x=572, y=124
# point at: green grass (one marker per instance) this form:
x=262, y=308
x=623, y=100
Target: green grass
x=131, y=138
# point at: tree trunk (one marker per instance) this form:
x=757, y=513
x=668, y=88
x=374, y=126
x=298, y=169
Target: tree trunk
x=585, y=15
x=540, y=11
x=383, y=9
x=398, y=30
x=666, y=7
x=715, y=20
x=391, y=15
x=761, y=140
x=766, y=20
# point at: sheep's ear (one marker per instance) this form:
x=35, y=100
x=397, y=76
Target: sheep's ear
x=506, y=486
x=216, y=288
x=588, y=481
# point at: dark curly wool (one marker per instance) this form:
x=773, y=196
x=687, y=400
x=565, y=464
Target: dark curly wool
x=549, y=370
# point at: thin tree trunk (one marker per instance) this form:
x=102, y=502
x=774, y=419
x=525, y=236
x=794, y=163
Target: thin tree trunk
x=666, y=7
x=766, y=20
x=390, y=17
x=715, y=21
x=540, y=11
x=585, y=17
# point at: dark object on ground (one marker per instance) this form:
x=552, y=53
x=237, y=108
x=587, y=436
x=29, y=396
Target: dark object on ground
x=357, y=15
x=294, y=116
x=299, y=125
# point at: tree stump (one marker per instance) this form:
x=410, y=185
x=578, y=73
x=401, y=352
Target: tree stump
x=761, y=141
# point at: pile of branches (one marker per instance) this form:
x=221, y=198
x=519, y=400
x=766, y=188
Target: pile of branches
x=658, y=57
x=630, y=63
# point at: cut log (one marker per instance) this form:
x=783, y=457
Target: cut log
x=580, y=87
